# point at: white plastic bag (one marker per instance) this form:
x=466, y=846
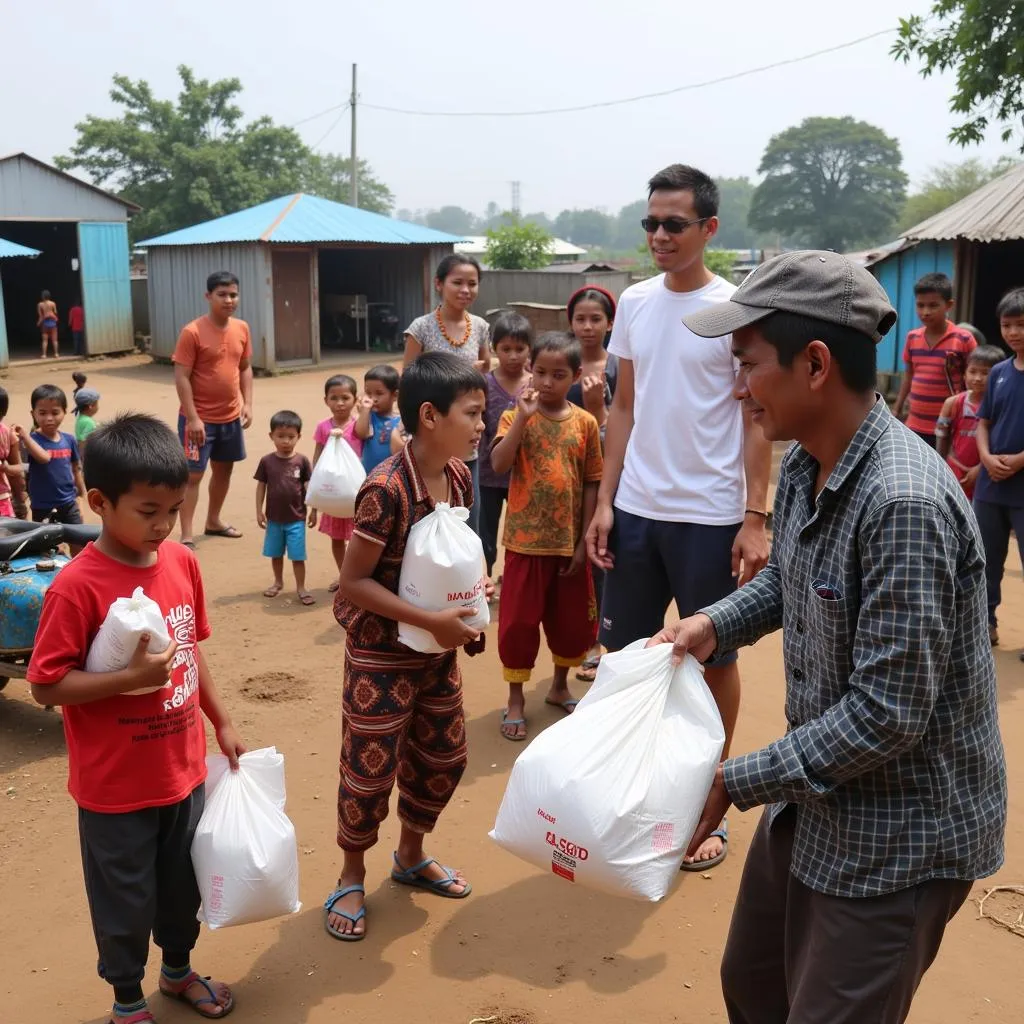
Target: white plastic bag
x=127, y=619
x=442, y=568
x=611, y=795
x=336, y=479
x=244, y=852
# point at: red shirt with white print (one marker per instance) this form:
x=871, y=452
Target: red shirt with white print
x=127, y=752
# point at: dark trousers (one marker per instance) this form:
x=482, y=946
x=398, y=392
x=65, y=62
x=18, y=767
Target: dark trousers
x=139, y=881
x=995, y=523
x=796, y=956
x=491, y=501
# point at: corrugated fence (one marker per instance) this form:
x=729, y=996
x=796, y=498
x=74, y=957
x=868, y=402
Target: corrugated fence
x=498, y=288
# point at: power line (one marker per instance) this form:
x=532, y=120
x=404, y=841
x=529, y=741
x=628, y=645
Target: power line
x=323, y=113
x=334, y=124
x=631, y=99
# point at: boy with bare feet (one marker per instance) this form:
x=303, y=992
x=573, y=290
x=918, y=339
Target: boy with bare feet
x=402, y=712
x=553, y=449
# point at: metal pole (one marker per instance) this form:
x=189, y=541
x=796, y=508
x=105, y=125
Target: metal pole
x=355, y=163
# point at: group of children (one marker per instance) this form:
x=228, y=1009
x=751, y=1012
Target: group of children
x=967, y=401
x=44, y=463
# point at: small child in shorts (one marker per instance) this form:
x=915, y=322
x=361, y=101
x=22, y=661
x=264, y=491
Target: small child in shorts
x=281, y=479
x=135, y=737
x=402, y=715
x=55, y=474
x=340, y=396
x=957, y=426
x=377, y=419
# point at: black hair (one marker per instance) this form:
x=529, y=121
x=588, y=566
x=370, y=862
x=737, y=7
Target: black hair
x=438, y=378
x=853, y=352
x=341, y=380
x=220, y=278
x=597, y=295
x=987, y=355
x=5, y=402
x=936, y=282
x=1011, y=304
x=45, y=295
x=49, y=393
x=511, y=327
x=681, y=178
x=383, y=374
x=286, y=418
x=79, y=378
x=453, y=260
x=134, y=448
x=561, y=342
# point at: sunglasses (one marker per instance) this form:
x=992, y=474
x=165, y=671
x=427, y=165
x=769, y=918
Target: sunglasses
x=673, y=225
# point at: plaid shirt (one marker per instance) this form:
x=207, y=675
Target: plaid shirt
x=892, y=753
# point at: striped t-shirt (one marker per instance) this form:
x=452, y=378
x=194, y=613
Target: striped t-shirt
x=938, y=373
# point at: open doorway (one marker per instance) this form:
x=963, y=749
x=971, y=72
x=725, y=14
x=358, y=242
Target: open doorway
x=56, y=270
x=998, y=270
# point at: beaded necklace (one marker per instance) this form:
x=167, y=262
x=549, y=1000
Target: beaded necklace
x=447, y=337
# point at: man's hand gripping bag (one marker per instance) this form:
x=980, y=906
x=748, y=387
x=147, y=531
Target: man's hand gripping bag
x=611, y=795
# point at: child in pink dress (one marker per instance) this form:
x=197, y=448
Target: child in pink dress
x=340, y=398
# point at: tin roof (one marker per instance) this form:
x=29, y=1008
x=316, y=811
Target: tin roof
x=994, y=213
x=14, y=249
x=303, y=219
x=132, y=207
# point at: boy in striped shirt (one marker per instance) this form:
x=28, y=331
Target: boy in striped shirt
x=935, y=356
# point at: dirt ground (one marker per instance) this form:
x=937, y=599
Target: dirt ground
x=525, y=948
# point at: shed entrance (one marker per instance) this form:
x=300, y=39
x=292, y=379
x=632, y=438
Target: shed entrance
x=293, y=306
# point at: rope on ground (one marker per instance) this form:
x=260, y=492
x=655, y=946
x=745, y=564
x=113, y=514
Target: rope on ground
x=1016, y=927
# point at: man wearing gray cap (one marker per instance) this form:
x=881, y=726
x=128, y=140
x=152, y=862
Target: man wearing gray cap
x=886, y=798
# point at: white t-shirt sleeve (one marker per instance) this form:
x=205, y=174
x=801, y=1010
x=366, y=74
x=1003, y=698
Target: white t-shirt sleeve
x=618, y=344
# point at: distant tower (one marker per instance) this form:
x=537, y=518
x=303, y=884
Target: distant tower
x=515, y=197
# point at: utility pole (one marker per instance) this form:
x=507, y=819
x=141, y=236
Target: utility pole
x=355, y=163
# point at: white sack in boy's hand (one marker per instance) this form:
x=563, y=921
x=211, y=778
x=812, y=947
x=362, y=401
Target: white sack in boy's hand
x=244, y=851
x=442, y=568
x=127, y=619
x=611, y=795
x=336, y=479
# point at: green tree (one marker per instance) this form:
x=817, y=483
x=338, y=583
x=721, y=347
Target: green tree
x=946, y=185
x=517, y=246
x=329, y=176
x=453, y=219
x=733, y=210
x=720, y=262
x=832, y=182
x=584, y=227
x=628, y=233
x=190, y=160
x=979, y=40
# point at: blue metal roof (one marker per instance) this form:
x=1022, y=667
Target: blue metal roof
x=13, y=249
x=299, y=219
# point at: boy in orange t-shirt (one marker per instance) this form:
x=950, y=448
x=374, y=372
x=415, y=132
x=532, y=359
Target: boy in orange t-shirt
x=213, y=378
x=553, y=449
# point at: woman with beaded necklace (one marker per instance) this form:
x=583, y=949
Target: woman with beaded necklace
x=452, y=328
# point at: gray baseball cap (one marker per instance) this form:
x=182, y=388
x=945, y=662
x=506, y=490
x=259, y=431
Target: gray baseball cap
x=815, y=283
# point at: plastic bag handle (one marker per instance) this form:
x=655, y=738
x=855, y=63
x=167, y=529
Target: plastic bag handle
x=460, y=512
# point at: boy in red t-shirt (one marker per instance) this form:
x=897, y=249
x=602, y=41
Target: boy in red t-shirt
x=135, y=737
x=957, y=426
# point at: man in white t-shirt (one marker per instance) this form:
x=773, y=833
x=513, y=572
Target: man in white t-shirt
x=682, y=509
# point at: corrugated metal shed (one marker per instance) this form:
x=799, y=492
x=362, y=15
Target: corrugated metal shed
x=8, y=249
x=33, y=190
x=302, y=219
x=994, y=213
x=177, y=284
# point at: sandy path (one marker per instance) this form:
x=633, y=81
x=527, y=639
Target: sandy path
x=525, y=947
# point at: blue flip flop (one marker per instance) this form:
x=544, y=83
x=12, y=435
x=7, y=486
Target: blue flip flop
x=505, y=720
x=438, y=886
x=703, y=865
x=354, y=918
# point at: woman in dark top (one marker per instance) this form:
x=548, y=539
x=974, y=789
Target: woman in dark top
x=591, y=311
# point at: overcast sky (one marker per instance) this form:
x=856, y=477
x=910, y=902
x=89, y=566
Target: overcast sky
x=294, y=60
